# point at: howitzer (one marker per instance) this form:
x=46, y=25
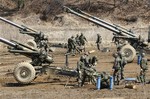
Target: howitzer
x=134, y=42
x=38, y=36
x=26, y=72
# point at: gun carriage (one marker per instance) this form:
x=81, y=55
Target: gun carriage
x=134, y=42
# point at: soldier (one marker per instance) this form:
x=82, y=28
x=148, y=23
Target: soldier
x=88, y=71
x=20, y=4
x=80, y=70
x=82, y=40
x=86, y=59
x=77, y=39
x=117, y=68
x=144, y=68
x=99, y=41
x=123, y=63
x=105, y=79
x=71, y=45
x=115, y=39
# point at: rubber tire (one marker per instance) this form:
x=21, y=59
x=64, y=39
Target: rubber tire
x=31, y=43
x=30, y=71
x=129, y=51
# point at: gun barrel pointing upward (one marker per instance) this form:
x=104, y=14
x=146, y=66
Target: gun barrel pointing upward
x=16, y=25
x=7, y=42
x=116, y=29
x=12, y=23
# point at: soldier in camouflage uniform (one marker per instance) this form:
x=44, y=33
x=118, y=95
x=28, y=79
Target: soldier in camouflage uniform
x=80, y=70
x=82, y=40
x=20, y=4
x=77, y=40
x=117, y=68
x=71, y=45
x=115, y=39
x=99, y=41
x=105, y=79
x=123, y=63
x=88, y=71
x=144, y=68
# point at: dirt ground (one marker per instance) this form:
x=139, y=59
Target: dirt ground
x=53, y=87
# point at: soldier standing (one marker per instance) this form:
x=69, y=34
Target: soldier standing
x=80, y=70
x=71, y=45
x=115, y=39
x=82, y=40
x=116, y=67
x=77, y=39
x=123, y=63
x=144, y=68
x=99, y=41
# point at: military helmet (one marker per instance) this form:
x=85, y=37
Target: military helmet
x=45, y=37
x=81, y=58
x=115, y=55
x=72, y=36
x=122, y=54
x=143, y=54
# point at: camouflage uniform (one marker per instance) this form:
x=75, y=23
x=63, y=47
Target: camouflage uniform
x=80, y=70
x=89, y=70
x=77, y=40
x=93, y=61
x=71, y=45
x=98, y=41
x=117, y=68
x=144, y=68
x=115, y=40
x=82, y=40
x=123, y=63
x=105, y=79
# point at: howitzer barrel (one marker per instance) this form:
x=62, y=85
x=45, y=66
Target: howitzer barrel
x=7, y=42
x=16, y=25
x=24, y=52
x=26, y=46
x=12, y=23
x=109, y=24
x=116, y=29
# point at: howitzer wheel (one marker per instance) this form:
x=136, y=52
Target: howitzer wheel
x=31, y=43
x=24, y=73
x=129, y=51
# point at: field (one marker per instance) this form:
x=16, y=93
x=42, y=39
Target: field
x=53, y=86
x=48, y=16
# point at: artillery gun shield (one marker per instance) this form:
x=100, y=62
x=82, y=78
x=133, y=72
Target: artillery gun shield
x=32, y=43
x=24, y=73
x=129, y=51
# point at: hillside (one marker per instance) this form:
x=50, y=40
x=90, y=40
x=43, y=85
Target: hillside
x=48, y=16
